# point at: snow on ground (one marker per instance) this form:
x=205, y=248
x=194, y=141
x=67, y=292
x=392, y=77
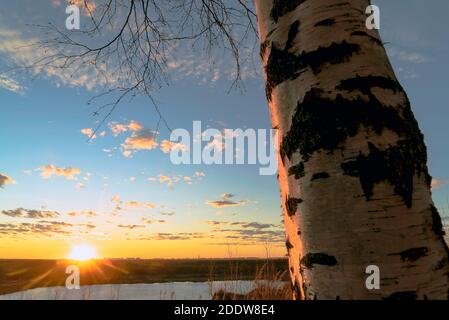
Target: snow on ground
x=154, y=291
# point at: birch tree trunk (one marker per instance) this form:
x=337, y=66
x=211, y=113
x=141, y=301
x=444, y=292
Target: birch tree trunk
x=353, y=170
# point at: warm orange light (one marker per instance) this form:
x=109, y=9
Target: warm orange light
x=82, y=252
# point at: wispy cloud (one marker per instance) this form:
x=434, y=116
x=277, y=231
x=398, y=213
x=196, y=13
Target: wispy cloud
x=26, y=52
x=174, y=236
x=87, y=213
x=226, y=201
x=153, y=221
x=11, y=85
x=244, y=225
x=130, y=226
x=41, y=228
x=30, y=213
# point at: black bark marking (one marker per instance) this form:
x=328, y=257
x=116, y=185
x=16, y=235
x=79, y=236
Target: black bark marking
x=437, y=228
x=288, y=245
x=403, y=295
x=320, y=175
x=281, y=7
x=318, y=258
x=413, y=254
x=395, y=165
x=441, y=264
x=291, y=205
x=297, y=170
x=266, y=44
x=437, y=224
x=333, y=54
x=263, y=48
x=292, y=32
x=366, y=34
x=324, y=123
x=282, y=65
x=365, y=84
x=325, y=22
x=297, y=290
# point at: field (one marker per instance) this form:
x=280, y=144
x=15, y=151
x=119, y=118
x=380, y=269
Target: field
x=17, y=275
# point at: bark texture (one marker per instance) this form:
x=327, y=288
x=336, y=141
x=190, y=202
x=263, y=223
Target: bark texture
x=353, y=171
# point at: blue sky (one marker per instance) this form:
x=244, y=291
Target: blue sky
x=42, y=119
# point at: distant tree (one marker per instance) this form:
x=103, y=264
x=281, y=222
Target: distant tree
x=353, y=164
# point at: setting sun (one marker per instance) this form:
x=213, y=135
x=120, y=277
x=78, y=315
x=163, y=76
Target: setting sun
x=82, y=253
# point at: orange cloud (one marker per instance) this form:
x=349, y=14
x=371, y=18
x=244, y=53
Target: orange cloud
x=226, y=201
x=4, y=180
x=51, y=170
x=89, y=133
x=437, y=183
x=168, y=146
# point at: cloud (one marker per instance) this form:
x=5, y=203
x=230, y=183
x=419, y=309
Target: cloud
x=152, y=221
x=89, y=132
x=142, y=140
x=30, y=213
x=130, y=226
x=135, y=126
x=247, y=233
x=132, y=204
x=167, y=213
x=116, y=198
x=437, y=183
x=10, y=85
x=51, y=170
x=88, y=213
x=80, y=185
x=4, y=180
x=26, y=52
x=168, y=146
x=244, y=225
x=226, y=201
x=137, y=204
x=41, y=228
x=187, y=179
x=408, y=61
x=227, y=195
x=170, y=181
x=408, y=56
x=174, y=236
x=119, y=128
x=88, y=6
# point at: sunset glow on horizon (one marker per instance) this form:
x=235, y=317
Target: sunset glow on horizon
x=83, y=252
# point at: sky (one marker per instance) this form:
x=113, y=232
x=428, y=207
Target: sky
x=121, y=194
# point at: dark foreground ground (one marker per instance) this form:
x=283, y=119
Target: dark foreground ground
x=17, y=275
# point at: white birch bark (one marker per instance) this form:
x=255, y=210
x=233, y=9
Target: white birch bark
x=352, y=172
